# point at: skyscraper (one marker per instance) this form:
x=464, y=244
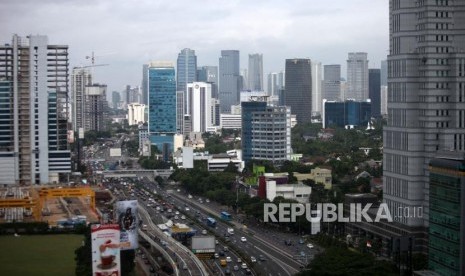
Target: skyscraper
x=145, y=83
x=229, y=80
x=426, y=102
x=162, y=104
x=266, y=131
x=272, y=84
x=374, y=91
x=209, y=74
x=80, y=78
x=95, y=107
x=199, y=106
x=34, y=80
x=316, y=87
x=357, y=77
x=255, y=78
x=384, y=68
x=186, y=68
x=298, y=90
x=332, y=82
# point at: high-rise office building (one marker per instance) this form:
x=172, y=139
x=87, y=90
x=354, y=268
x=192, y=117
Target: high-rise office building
x=95, y=107
x=446, y=246
x=272, y=84
x=132, y=95
x=374, y=91
x=426, y=103
x=317, y=76
x=162, y=105
x=145, y=83
x=116, y=99
x=34, y=80
x=357, y=77
x=80, y=78
x=266, y=131
x=255, y=73
x=346, y=114
x=209, y=74
x=186, y=69
x=298, y=90
x=229, y=80
x=384, y=68
x=199, y=106
x=332, y=82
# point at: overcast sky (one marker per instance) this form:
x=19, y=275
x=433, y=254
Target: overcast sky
x=128, y=33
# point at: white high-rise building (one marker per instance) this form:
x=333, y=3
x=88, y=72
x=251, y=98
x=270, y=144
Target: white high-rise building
x=316, y=87
x=80, y=78
x=136, y=113
x=357, y=77
x=198, y=106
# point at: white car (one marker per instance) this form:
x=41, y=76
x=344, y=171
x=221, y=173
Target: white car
x=243, y=239
x=253, y=260
x=177, y=213
x=244, y=265
x=228, y=259
x=204, y=232
x=310, y=245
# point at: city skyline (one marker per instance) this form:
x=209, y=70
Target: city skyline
x=151, y=31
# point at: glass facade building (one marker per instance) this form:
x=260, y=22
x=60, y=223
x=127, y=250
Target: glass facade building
x=374, y=91
x=446, y=215
x=187, y=68
x=298, y=91
x=162, y=103
x=348, y=113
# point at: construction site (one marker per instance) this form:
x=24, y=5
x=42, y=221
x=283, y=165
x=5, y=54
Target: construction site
x=58, y=206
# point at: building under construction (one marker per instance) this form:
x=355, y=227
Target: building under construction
x=34, y=111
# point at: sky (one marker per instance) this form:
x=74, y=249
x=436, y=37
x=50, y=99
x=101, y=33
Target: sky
x=125, y=34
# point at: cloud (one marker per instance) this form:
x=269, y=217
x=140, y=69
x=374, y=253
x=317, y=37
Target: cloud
x=136, y=32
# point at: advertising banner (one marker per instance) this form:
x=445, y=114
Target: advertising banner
x=105, y=250
x=126, y=213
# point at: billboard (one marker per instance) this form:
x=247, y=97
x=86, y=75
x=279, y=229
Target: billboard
x=70, y=136
x=115, y=152
x=203, y=244
x=126, y=213
x=105, y=250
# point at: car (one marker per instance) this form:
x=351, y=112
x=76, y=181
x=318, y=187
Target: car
x=248, y=271
x=243, y=239
x=207, y=200
x=183, y=217
x=184, y=266
x=288, y=242
x=216, y=242
x=253, y=260
x=216, y=255
x=226, y=249
x=221, y=253
x=309, y=245
x=228, y=259
x=244, y=265
x=262, y=258
x=239, y=260
x=152, y=269
x=189, y=196
x=177, y=212
x=301, y=241
x=227, y=271
x=204, y=232
x=187, y=209
x=236, y=268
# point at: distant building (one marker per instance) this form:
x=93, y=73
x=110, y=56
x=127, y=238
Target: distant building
x=255, y=72
x=144, y=141
x=332, y=82
x=199, y=106
x=80, y=78
x=116, y=100
x=229, y=80
x=266, y=131
x=298, y=91
x=446, y=248
x=162, y=106
x=317, y=78
x=136, y=113
x=374, y=85
x=145, y=84
x=95, y=108
x=186, y=69
x=209, y=74
x=346, y=114
x=230, y=121
x=357, y=77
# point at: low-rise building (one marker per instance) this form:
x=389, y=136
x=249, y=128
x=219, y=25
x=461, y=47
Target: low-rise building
x=299, y=192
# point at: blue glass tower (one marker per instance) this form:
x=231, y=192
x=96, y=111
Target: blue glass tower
x=187, y=68
x=162, y=104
